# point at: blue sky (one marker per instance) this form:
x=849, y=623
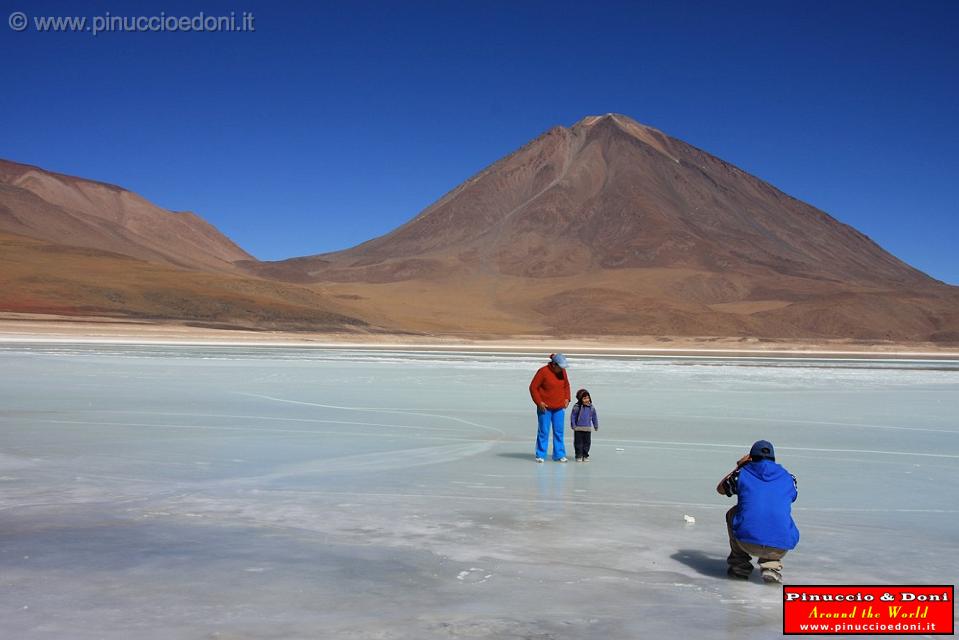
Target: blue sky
x=336, y=122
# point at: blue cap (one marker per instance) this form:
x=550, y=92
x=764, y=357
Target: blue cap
x=763, y=449
x=559, y=360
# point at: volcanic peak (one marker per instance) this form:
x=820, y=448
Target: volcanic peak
x=649, y=136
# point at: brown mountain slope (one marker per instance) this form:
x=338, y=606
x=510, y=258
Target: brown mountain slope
x=43, y=277
x=68, y=210
x=610, y=193
x=613, y=227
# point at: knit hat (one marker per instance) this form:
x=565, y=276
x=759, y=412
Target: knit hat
x=558, y=359
x=580, y=394
x=763, y=449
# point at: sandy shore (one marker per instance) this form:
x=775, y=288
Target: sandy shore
x=35, y=328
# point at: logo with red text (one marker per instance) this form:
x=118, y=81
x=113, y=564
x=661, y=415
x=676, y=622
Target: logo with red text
x=862, y=609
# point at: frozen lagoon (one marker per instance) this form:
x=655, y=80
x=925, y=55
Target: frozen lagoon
x=258, y=492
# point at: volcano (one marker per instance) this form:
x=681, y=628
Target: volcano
x=613, y=227
x=608, y=227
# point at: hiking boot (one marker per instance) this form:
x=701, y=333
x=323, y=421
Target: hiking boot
x=772, y=577
x=732, y=573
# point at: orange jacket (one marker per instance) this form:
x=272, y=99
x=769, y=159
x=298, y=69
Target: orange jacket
x=549, y=388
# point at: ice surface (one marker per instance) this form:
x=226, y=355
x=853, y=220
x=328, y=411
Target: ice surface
x=254, y=492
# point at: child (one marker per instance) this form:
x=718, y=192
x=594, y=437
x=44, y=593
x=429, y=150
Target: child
x=584, y=421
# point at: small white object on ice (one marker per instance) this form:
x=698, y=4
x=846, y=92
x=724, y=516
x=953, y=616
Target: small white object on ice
x=620, y=449
x=689, y=519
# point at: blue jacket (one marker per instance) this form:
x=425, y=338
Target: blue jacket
x=764, y=514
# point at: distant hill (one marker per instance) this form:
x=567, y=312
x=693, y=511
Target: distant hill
x=613, y=227
x=37, y=276
x=68, y=210
x=73, y=246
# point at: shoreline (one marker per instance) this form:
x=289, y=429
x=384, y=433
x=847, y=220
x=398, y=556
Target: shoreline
x=93, y=331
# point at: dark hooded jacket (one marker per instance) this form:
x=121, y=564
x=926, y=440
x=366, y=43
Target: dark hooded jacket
x=764, y=514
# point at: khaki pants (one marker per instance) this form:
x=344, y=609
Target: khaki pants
x=740, y=562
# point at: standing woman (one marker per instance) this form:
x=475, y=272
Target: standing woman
x=550, y=392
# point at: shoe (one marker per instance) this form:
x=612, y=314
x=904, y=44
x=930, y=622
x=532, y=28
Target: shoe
x=736, y=575
x=772, y=577
x=585, y=458
x=579, y=459
x=563, y=459
x=539, y=460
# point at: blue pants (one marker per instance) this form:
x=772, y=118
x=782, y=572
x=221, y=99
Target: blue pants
x=545, y=418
